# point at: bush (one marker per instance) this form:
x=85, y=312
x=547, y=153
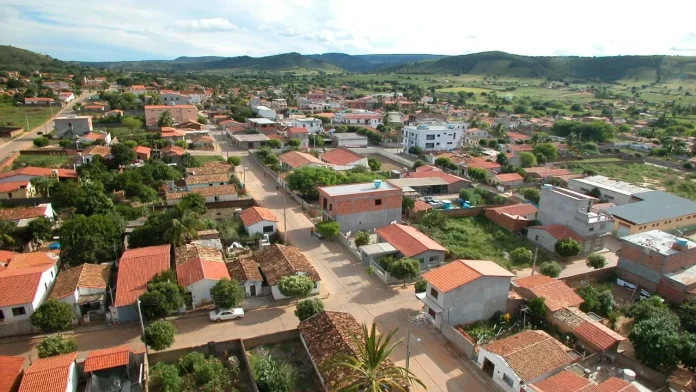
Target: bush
x=53, y=315
x=567, y=247
x=227, y=293
x=272, y=376
x=41, y=141
x=687, y=314
x=404, y=268
x=418, y=163
x=296, y=286
x=374, y=164
x=521, y=256
x=308, y=308
x=420, y=286
x=550, y=268
x=234, y=160
x=56, y=345
x=328, y=229
x=165, y=378
x=531, y=194
x=415, y=150
x=159, y=335
x=362, y=238
x=596, y=261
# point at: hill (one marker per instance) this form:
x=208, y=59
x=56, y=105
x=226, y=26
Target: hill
x=16, y=59
x=372, y=62
x=655, y=68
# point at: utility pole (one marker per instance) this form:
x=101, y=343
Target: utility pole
x=408, y=345
x=285, y=219
x=27, y=117
x=140, y=315
x=536, y=250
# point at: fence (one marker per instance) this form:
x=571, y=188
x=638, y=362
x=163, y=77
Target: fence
x=458, y=340
x=350, y=246
x=623, y=362
x=7, y=163
x=17, y=328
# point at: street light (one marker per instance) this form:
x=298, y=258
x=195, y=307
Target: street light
x=421, y=317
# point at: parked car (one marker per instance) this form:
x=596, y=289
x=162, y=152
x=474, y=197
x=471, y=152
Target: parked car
x=428, y=199
x=222, y=314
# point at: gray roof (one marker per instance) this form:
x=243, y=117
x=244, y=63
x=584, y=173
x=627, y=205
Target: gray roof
x=655, y=206
x=348, y=136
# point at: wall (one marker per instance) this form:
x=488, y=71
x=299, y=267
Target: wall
x=367, y=220
x=404, y=160
x=200, y=291
x=17, y=328
x=505, y=221
x=72, y=379
x=427, y=264
x=258, y=227
x=476, y=300
x=459, y=341
x=614, y=197
x=501, y=367
x=542, y=237
x=7, y=163
x=126, y=314
x=664, y=225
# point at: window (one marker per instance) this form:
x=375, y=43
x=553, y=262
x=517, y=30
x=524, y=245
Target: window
x=430, y=137
x=429, y=145
x=590, y=229
x=433, y=258
x=432, y=313
x=9, y=195
x=536, y=238
x=330, y=207
x=268, y=229
x=19, y=311
x=509, y=381
x=217, y=198
x=51, y=273
x=378, y=202
x=421, y=260
x=433, y=292
x=2, y=315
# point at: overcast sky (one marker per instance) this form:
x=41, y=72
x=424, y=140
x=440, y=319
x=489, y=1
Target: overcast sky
x=160, y=29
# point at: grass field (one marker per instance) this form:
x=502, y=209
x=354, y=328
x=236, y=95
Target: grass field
x=52, y=161
x=123, y=132
x=478, y=238
x=17, y=116
x=203, y=159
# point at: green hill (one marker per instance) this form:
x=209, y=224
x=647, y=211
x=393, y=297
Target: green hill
x=16, y=59
x=658, y=68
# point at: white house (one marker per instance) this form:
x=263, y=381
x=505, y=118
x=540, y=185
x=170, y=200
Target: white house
x=524, y=358
x=212, y=194
x=84, y=288
x=277, y=261
x=265, y=112
x=246, y=272
x=259, y=220
x=198, y=268
x=359, y=118
x=473, y=135
x=433, y=137
x=25, y=285
x=313, y=125
x=57, y=373
x=21, y=216
x=175, y=99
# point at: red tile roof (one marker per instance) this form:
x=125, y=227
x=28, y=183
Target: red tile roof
x=521, y=209
x=296, y=159
x=48, y=374
x=92, y=276
x=18, y=286
x=39, y=172
x=142, y=150
x=517, y=136
x=244, y=269
x=22, y=213
x=509, y=177
x=566, y=381
x=408, y=240
x=297, y=130
x=277, y=261
x=148, y=107
x=598, y=335
x=94, y=136
x=6, y=256
x=560, y=232
x=615, y=384
x=556, y=293
x=341, y=156
x=521, y=147
x=12, y=186
x=33, y=259
x=136, y=268
x=460, y=272
x=434, y=172
x=482, y=163
x=107, y=358
x=422, y=206
x=173, y=150
x=10, y=371
x=255, y=214
x=197, y=269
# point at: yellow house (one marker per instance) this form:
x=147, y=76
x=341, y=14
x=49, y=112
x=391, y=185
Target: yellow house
x=16, y=190
x=654, y=210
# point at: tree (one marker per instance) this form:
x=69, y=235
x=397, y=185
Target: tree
x=153, y=305
x=550, y=268
x=296, y=286
x=182, y=229
x=687, y=314
x=272, y=376
x=41, y=141
x=657, y=342
x=521, y=256
x=595, y=192
x=537, y=310
x=159, y=335
x=541, y=159
x=567, y=247
x=420, y=286
x=531, y=194
x=7, y=234
x=596, y=261
x=273, y=143
x=688, y=351
x=132, y=123
x=165, y=377
x=433, y=220
x=40, y=229
x=520, y=109
x=91, y=239
x=478, y=174
x=418, y=163
x=201, y=119
x=122, y=154
x=193, y=202
x=415, y=150
x=308, y=308
x=650, y=308
x=234, y=160
x=367, y=369
x=56, y=345
x=502, y=159
x=328, y=229
x=227, y=293
x=404, y=268
x=294, y=142
x=188, y=160
x=165, y=119
x=445, y=163
x=43, y=185
x=53, y=315
x=546, y=149
x=362, y=238
x=528, y=159
x=93, y=200
x=374, y=164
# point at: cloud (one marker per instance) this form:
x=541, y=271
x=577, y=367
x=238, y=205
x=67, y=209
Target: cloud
x=212, y=25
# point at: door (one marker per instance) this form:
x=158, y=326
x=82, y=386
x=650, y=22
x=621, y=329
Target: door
x=252, y=290
x=622, y=231
x=488, y=367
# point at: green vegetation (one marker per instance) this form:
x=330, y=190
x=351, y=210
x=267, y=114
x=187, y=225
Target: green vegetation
x=53, y=315
x=567, y=247
x=91, y=239
x=56, y=345
x=550, y=268
x=600, y=302
x=272, y=375
x=296, y=286
x=50, y=161
x=227, y=293
x=308, y=308
x=328, y=229
x=159, y=335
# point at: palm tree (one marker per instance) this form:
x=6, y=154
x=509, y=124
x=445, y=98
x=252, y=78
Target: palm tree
x=183, y=228
x=369, y=369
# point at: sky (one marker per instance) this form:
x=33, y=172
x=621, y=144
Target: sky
x=116, y=30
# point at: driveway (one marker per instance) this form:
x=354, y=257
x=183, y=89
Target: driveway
x=578, y=266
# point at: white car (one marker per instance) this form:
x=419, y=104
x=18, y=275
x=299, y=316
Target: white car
x=221, y=314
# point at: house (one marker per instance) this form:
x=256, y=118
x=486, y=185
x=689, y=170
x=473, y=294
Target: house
x=210, y=168
x=84, y=288
x=95, y=137
x=311, y=124
x=518, y=137
x=38, y=101
x=481, y=163
x=432, y=137
x=591, y=335
x=525, y=358
x=473, y=135
x=559, y=206
x=265, y=112
x=138, y=89
x=465, y=291
x=557, y=295
x=681, y=380
x=205, y=180
x=372, y=119
x=617, y=192
x=29, y=172
x=514, y=217
x=66, y=97
x=454, y=183
x=71, y=126
x=94, y=107
x=25, y=286
x=11, y=373
x=90, y=153
x=301, y=134
x=58, y=373
x=16, y=190
x=544, y=173
x=279, y=104
x=508, y=180
x=173, y=153
x=142, y=153
x=249, y=142
x=277, y=261
x=348, y=140
x=198, y=269
x=642, y=215
x=362, y=206
x=179, y=113
x=135, y=269
x=21, y=216
x=246, y=272
x=262, y=125
x=123, y=366
x=174, y=98
x=316, y=96
x=411, y=243
x=172, y=134
x=212, y=194
x=343, y=157
x=548, y=235
x=259, y=220
x=566, y=381
x=295, y=160
x=660, y=263
x=324, y=335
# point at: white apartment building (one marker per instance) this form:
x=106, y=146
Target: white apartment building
x=433, y=137
x=265, y=112
x=313, y=125
x=359, y=118
x=175, y=99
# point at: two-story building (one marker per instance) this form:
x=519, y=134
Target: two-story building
x=265, y=112
x=474, y=135
x=72, y=125
x=179, y=113
x=312, y=125
x=174, y=98
x=367, y=118
x=654, y=210
x=432, y=137
x=262, y=125
x=362, y=206
x=465, y=291
x=616, y=192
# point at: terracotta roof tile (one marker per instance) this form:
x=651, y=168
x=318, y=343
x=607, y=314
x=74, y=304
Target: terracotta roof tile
x=217, y=190
x=684, y=379
x=255, y=214
x=136, y=268
x=297, y=130
x=10, y=372
x=97, y=150
x=22, y=213
x=482, y=163
x=341, y=156
x=408, y=240
x=531, y=353
x=615, y=384
x=422, y=206
x=206, y=179
x=244, y=270
x=39, y=172
x=142, y=150
x=556, y=293
x=93, y=276
x=48, y=374
x=148, y=107
x=517, y=136
x=107, y=358
x=598, y=335
x=12, y=186
x=6, y=256
x=560, y=232
x=210, y=168
x=296, y=159
x=18, y=286
x=173, y=150
x=521, y=209
x=460, y=272
x=277, y=261
x=33, y=259
x=435, y=172
x=566, y=381
x=509, y=177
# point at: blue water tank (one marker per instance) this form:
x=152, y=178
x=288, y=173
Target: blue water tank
x=377, y=183
x=466, y=204
x=548, y=186
x=446, y=204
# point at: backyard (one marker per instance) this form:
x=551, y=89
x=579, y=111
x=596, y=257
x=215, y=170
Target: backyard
x=288, y=353
x=477, y=238
x=17, y=116
x=50, y=161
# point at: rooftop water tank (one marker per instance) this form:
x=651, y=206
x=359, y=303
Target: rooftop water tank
x=377, y=183
x=446, y=204
x=548, y=186
x=629, y=375
x=450, y=126
x=422, y=127
x=682, y=242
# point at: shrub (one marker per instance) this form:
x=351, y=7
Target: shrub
x=362, y=238
x=415, y=150
x=420, y=286
x=41, y=141
x=328, y=229
x=227, y=293
x=165, y=377
x=596, y=261
x=53, y=315
x=550, y=268
x=308, y=308
x=296, y=286
x=418, y=163
x=56, y=345
x=272, y=376
x=159, y=335
x=234, y=160
x=521, y=256
x=567, y=247
x=404, y=268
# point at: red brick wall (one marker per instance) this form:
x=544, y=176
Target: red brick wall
x=363, y=202
x=635, y=279
x=669, y=291
x=657, y=262
x=507, y=222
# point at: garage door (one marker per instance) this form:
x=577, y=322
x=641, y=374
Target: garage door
x=622, y=231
